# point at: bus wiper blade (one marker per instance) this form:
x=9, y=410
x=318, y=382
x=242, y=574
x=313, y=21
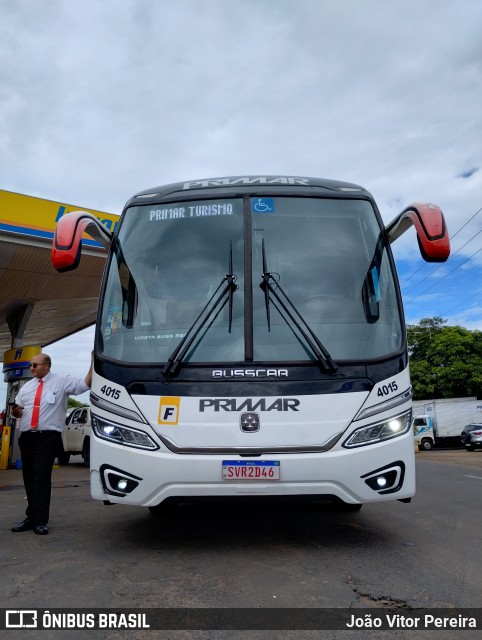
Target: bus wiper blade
x=213, y=305
x=324, y=359
x=232, y=288
x=265, y=285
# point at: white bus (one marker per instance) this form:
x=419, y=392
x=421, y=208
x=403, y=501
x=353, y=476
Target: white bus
x=250, y=341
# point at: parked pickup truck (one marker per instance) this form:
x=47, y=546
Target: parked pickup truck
x=76, y=436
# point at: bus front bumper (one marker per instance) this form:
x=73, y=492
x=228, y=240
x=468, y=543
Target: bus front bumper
x=383, y=471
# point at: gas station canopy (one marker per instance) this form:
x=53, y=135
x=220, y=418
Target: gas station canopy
x=39, y=306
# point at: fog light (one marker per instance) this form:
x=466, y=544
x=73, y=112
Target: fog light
x=388, y=479
x=383, y=480
x=117, y=482
x=120, y=485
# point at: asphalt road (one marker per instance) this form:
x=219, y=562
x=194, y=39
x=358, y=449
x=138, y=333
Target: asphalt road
x=250, y=554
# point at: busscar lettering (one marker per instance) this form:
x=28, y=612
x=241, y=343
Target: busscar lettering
x=248, y=404
x=226, y=182
x=250, y=373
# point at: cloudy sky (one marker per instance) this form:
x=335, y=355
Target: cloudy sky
x=100, y=99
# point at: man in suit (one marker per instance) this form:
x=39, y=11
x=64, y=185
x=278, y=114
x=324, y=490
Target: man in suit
x=41, y=405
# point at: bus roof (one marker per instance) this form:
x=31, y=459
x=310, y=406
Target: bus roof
x=248, y=184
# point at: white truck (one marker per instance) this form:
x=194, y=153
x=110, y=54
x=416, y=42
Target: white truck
x=440, y=422
x=76, y=436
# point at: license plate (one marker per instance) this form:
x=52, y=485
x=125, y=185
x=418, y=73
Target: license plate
x=251, y=470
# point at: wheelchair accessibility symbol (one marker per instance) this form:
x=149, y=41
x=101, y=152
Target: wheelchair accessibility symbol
x=262, y=205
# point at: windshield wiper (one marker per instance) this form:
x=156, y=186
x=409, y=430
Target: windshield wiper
x=324, y=359
x=213, y=305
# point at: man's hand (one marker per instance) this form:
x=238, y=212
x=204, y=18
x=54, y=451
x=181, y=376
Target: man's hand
x=17, y=411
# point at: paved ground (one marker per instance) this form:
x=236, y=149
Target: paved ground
x=251, y=555
x=452, y=456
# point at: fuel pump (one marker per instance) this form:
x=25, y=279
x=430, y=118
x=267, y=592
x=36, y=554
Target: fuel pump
x=16, y=373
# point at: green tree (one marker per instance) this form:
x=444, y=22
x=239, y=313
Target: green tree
x=445, y=361
x=72, y=403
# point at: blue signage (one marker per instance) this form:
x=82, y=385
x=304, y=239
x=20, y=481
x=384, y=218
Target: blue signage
x=262, y=205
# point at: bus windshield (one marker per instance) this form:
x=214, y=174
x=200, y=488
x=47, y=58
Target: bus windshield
x=328, y=257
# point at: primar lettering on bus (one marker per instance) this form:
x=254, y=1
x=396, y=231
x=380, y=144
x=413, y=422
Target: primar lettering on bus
x=236, y=404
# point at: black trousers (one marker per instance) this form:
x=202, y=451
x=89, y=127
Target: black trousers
x=38, y=450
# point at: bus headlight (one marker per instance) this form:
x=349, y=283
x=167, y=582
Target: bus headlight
x=121, y=434
x=380, y=431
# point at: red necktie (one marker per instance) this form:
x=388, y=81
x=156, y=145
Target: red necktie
x=36, y=405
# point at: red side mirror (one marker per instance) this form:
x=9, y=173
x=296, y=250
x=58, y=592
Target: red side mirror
x=67, y=242
x=432, y=234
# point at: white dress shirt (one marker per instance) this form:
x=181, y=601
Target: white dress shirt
x=53, y=405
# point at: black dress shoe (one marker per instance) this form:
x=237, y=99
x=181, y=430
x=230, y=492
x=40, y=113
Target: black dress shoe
x=41, y=529
x=25, y=525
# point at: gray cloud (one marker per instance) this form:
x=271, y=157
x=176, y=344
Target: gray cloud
x=99, y=100
x=468, y=173
x=107, y=98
